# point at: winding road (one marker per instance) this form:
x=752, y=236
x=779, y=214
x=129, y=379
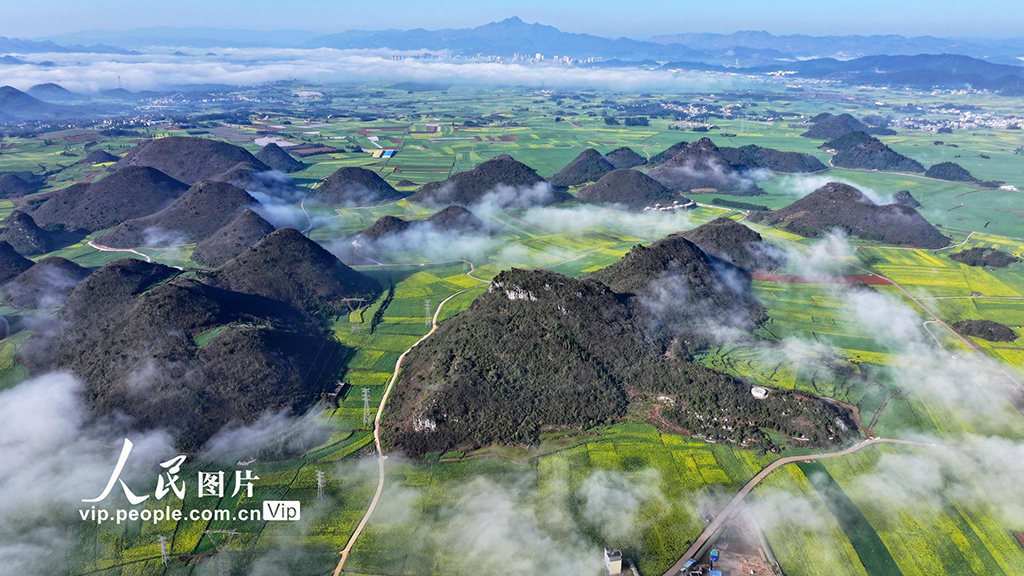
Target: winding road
x=376, y=434
x=103, y=248
x=706, y=537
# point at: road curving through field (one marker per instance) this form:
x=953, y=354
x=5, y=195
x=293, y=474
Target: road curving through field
x=706, y=537
x=376, y=433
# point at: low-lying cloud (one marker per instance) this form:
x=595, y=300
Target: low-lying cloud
x=90, y=73
x=582, y=218
x=801, y=185
x=55, y=455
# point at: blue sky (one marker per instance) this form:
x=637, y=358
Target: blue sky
x=632, y=18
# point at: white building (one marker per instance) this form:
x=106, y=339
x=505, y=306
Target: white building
x=612, y=561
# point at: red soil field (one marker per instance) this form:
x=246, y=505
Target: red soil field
x=368, y=131
x=317, y=150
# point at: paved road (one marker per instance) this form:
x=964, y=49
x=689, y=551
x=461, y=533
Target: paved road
x=103, y=248
x=376, y=437
x=733, y=504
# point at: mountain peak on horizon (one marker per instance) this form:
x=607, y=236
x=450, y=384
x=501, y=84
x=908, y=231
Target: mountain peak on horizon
x=517, y=22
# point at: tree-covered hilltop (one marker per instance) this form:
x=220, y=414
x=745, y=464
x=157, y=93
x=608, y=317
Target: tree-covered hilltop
x=733, y=242
x=631, y=189
x=841, y=206
x=502, y=179
x=191, y=353
x=132, y=192
x=190, y=160
x=589, y=166
x=874, y=155
x=539, y=348
x=354, y=186
x=702, y=164
x=195, y=215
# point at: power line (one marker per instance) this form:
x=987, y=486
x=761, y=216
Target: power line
x=226, y=537
x=165, y=555
x=366, y=407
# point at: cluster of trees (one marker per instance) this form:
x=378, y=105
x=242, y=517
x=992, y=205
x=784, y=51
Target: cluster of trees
x=986, y=329
x=984, y=257
x=737, y=205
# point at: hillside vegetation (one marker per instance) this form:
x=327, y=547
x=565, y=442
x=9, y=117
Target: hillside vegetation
x=541, y=349
x=589, y=166
x=631, y=189
x=189, y=160
x=199, y=212
x=131, y=192
x=352, y=186
x=733, y=242
x=192, y=355
x=504, y=181
x=841, y=206
x=235, y=237
x=702, y=165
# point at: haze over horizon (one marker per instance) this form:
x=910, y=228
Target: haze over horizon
x=994, y=19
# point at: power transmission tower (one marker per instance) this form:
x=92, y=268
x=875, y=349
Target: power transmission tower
x=366, y=407
x=222, y=545
x=165, y=555
x=426, y=313
x=319, y=485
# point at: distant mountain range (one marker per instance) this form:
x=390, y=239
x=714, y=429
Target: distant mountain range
x=923, y=71
x=921, y=62
x=19, y=46
x=852, y=46
x=505, y=38
x=513, y=36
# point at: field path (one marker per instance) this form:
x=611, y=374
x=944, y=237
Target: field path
x=934, y=318
x=706, y=537
x=309, y=221
x=103, y=248
x=376, y=264
x=302, y=204
x=376, y=429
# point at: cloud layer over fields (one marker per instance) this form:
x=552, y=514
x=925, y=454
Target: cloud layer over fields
x=94, y=72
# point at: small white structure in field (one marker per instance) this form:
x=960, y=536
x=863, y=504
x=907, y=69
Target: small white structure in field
x=759, y=392
x=612, y=561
